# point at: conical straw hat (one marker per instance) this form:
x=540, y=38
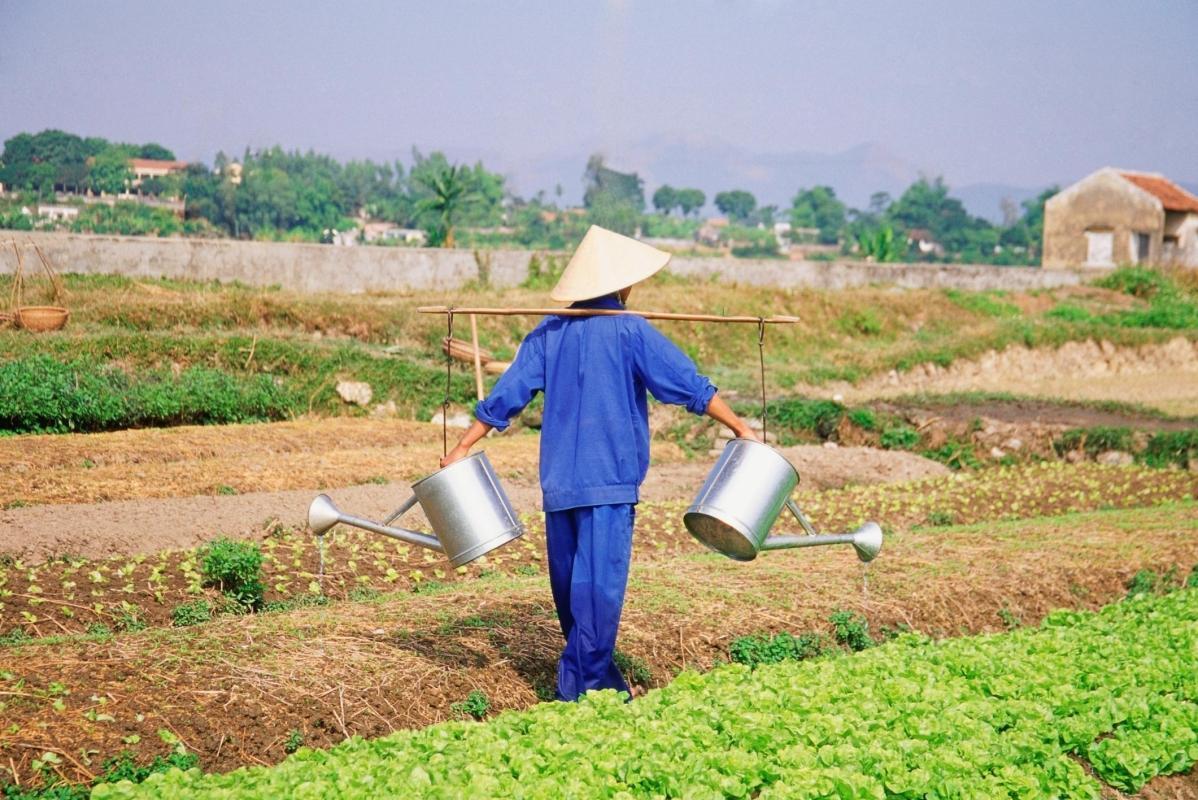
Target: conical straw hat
x=606, y=262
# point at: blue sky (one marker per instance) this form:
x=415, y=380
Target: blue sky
x=1015, y=92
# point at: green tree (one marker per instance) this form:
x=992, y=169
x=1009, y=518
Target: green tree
x=1028, y=231
x=665, y=199
x=819, y=208
x=450, y=191
x=110, y=172
x=737, y=204
x=881, y=245
x=690, y=200
x=926, y=204
x=155, y=151
x=610, y=187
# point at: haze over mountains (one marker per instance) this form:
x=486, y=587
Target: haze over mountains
x=714, y=165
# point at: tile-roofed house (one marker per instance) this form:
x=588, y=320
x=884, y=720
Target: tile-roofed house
x=1115, y=216
x=1172, y=196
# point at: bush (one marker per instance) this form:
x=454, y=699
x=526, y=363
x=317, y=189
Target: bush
x=761, y=649
x=864, y=418
x=236, y=569
x=1137, y=281
x=1143, y=582
x=293, y=742
x=851, y=630
x=820, y=417
x=192, y=613
x=41, y=395
x=475, y=705
x=1093, y=440
x=634, y=669
x=956, y=455
x=900, y=437
x=1169, y=306
x=864, y=322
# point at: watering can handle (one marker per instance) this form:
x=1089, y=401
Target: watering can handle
x=794, y=509
x=403, y=509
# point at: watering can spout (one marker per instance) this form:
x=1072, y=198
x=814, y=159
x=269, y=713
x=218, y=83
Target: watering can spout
x=324, y=514
x=867, y=541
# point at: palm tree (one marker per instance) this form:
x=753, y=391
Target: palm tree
x=451, y=192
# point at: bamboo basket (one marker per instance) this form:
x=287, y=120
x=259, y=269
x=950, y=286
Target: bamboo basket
x=40, y=318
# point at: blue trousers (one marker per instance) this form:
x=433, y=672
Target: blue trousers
x=589, y=550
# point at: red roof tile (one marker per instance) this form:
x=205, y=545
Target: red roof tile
x=1172, y=196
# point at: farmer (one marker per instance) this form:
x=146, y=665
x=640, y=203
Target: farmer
x=595, y=439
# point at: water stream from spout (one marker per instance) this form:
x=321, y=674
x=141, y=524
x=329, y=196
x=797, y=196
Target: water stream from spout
x=865, y=583
x=320, y=571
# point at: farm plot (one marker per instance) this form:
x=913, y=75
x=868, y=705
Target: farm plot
x=1013, y=715
x=69, y=595
x=242, y=690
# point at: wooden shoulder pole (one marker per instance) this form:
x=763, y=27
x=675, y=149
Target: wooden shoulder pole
x=605, y=312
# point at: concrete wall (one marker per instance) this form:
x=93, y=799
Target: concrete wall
x=1103, y=200
x=324, y=268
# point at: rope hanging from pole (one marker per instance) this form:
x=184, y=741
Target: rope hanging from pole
x=448, y=383
x=761, y=358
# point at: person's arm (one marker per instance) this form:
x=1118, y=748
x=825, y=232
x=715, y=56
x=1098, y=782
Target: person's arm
x=722, y=413
x=512, y=392
x=673, y=378
x=462, y=449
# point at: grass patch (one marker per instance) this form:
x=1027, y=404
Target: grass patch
x=988, y=304
x=1094, y=440
x=757, y=649
x=1167, y=448
x=42, y=395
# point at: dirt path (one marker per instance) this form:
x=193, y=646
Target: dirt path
x=233, y=689
x=1161, y=376
x=147, y=525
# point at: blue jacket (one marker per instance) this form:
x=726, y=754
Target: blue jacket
x=594, y=372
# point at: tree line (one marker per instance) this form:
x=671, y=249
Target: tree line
x=276, y=194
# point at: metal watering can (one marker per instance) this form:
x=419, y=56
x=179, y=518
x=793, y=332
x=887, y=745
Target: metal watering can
x=464, y=503
x=742, y=497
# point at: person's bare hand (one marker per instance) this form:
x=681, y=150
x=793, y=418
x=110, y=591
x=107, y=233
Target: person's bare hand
x=456, y=454
x=748, y=433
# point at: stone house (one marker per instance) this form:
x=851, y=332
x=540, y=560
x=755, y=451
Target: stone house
x=1116, y=216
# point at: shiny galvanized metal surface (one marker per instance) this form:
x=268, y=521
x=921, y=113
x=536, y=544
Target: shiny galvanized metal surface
x=468, y=509
x=741, y=499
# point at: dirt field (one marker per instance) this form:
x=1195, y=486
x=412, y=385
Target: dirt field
x=233, y=688
x=99, y=532
x=132, y=492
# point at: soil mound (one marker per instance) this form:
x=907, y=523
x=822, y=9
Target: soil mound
x=1164, y=376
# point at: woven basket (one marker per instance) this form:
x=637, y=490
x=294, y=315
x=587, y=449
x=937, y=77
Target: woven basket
x=42, y=318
